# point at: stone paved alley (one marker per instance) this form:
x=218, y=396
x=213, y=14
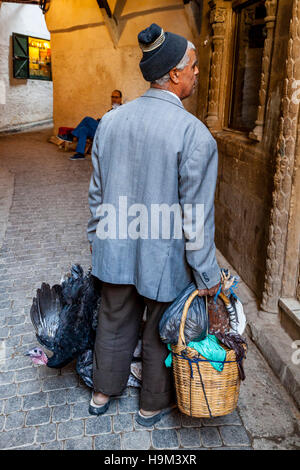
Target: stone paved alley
x=43, y=214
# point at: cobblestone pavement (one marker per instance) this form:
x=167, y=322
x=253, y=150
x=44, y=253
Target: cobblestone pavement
x=45, y=215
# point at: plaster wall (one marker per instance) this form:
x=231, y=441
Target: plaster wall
x=87, y=66
x=22, y=102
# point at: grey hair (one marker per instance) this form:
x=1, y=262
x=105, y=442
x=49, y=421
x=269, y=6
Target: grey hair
x=182, y=64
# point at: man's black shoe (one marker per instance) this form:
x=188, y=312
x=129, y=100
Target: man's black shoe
x=98, y=410
x=65, y=138
x=151, y=420
x=77, y=156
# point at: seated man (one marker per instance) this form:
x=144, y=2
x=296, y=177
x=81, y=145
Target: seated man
x=87, y=128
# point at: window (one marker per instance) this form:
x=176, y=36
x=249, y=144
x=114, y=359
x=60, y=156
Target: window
x=250, y=36
x=31, y=57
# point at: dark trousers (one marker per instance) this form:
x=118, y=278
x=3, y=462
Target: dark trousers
x=119, y=321
x=86, y=128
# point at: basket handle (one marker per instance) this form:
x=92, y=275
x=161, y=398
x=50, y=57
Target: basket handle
x=181, y=338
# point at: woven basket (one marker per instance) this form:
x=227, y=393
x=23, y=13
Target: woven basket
x=202, y=391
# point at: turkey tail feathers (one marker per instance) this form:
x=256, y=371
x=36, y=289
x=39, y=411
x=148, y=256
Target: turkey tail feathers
x=45, y=312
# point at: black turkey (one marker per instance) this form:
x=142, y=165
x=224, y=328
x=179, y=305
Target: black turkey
x=65, y=319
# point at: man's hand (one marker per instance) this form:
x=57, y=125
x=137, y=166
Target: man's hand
x=91, y=248
x=212, y=291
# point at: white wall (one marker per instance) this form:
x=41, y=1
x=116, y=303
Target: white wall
x=22, y=102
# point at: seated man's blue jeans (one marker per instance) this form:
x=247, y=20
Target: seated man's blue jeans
x=86, y=128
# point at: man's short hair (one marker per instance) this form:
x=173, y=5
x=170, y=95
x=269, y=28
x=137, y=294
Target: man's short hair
x=182, y=64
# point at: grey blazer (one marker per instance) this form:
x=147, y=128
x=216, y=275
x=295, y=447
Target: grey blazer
x=152, y=151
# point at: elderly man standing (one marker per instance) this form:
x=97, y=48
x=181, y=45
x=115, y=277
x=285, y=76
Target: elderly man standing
x=149, y=153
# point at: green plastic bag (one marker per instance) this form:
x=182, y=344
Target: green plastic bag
x=208, y=348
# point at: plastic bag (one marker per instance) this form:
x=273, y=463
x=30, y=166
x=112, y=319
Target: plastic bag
x=209, y=348
x=196, y=325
